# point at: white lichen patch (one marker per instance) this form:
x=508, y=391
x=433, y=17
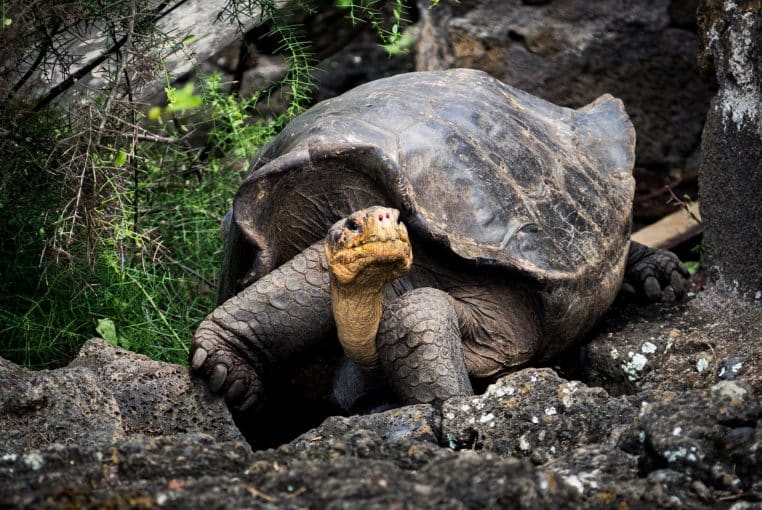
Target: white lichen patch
x=535, y=420
x=584, y=479
x=34, y=461
x=673, y=455
x=635, y=366
x=701, y=365
x=550, y=411
x=648, y=348
x=500, y=390
x=486, y=417
x=567, y=393
x=465, y=408
x=681, y=453
x=524, y=445
x=677, y=431
x=614, y=354
x=575, y=482
x=9, y=457
x=740, y=97
x=450, y=416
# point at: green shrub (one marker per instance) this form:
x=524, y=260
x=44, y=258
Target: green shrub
x=109, y=214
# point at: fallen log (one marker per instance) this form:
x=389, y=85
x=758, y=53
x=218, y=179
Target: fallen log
x=671, y=230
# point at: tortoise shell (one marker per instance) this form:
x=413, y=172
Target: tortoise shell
x=497, y=176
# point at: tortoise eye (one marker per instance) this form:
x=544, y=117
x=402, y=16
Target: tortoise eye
x=352, y=226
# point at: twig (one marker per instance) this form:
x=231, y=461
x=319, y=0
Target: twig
x=154, y=138
x=72, y=79
x=190, y=270
x=674, y=200
x=28, y=74
x=122, y=68
x=259, y=494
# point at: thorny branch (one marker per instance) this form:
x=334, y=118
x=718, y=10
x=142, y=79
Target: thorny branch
x=674, y=200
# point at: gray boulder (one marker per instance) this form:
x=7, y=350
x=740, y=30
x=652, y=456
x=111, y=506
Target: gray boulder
x=731, y=173
x=104, y=395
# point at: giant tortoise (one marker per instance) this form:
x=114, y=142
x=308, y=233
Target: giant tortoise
x=445, y=227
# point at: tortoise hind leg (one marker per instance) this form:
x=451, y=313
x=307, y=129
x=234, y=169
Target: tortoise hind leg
x=419, y=347
x=649, y=270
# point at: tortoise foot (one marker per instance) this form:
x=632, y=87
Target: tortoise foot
x=226, y=371
x=650, y=270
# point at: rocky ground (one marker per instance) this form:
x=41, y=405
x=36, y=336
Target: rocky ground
x=661, y=408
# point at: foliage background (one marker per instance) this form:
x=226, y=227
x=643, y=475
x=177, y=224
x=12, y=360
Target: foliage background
x=110, y=210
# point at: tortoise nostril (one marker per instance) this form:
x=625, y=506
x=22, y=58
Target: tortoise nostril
x=381, y=217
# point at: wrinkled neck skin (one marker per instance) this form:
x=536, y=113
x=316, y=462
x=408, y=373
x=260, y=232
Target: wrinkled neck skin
x=357, y=310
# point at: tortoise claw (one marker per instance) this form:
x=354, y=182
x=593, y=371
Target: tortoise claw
x=652, y=288
x=199, y=357
x=217, y=379
x=676, y=282
x=249, y=402
x=235, y=391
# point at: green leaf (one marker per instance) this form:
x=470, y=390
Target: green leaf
x=692, y=266
x=7, y=22
x=107, y=330
x=182, y=99
x=120, y=159
x=399, y=43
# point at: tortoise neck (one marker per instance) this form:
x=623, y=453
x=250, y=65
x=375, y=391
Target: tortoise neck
x=357, y=312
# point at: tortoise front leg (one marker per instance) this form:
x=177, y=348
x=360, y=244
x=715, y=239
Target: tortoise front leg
x=420, y=349
x=258, y=330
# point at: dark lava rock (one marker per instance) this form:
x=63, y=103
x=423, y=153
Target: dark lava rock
x=65, y=406
x=711, y=436
x=156, y=398
x=611, y=479
x=195, y=471
x=534, y=413
x=586, y=449
x=420, y=422
x=675, y=346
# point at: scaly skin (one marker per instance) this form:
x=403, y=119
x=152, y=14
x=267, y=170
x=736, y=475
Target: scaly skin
x=420, y=347
x=261, y=328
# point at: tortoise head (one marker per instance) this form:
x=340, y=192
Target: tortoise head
x=368, y=248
